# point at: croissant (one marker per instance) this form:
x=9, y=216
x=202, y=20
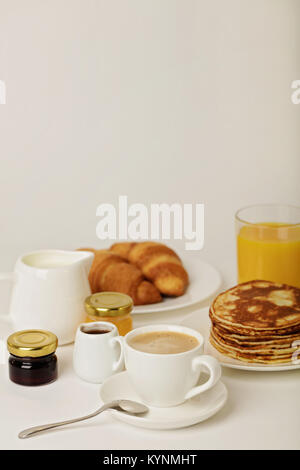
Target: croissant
x=109, y=272
x=159, y=263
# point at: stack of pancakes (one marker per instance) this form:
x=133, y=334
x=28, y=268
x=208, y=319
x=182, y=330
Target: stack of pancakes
x=257, y=322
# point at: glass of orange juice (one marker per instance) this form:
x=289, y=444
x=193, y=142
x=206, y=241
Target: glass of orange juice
x=268, y=243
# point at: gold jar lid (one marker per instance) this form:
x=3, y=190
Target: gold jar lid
x=108, y=304
x=32, y=343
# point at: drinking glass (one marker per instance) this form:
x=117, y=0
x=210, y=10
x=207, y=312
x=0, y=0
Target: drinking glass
x=268, y=243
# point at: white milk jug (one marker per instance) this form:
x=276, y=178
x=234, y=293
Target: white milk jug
x=49, y=289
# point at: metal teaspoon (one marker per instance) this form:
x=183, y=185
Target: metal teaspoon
x=128, y=406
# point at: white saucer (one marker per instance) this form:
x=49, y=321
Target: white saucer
x=205, y=282
x=200, y=321
x=191, y=412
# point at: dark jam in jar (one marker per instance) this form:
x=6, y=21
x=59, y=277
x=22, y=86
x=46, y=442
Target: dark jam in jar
x=33, y=370
x=32, y=359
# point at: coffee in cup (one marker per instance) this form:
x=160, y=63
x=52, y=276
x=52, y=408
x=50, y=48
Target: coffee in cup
x=163, y=342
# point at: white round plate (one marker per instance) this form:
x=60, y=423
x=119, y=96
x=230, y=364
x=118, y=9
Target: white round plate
x=191, y=412
x=200, y=321
x=205, y=281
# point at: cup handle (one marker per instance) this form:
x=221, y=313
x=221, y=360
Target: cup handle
x=7, y=277
x=215, y=374
x=118, y=365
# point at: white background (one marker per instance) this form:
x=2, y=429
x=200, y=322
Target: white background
x=162, y=101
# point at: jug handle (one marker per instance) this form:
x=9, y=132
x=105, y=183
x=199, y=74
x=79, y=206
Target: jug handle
x=7, y=277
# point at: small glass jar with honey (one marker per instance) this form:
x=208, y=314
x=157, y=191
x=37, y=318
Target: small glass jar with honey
x=112, y=307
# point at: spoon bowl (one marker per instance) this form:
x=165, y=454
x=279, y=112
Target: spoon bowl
x=132, y=407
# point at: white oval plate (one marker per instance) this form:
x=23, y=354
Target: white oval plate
x=200, y=321
x=205, y=281
x=190, y=412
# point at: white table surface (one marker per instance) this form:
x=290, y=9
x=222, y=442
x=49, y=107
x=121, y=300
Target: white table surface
x=263, y=411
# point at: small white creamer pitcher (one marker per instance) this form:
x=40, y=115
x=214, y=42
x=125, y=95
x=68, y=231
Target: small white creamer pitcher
x=49, y=289
x=97, y=351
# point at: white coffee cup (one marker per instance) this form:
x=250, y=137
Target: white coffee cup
x=97, y=356
x=165, y=380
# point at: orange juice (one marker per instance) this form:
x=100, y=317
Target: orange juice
x=269, y=251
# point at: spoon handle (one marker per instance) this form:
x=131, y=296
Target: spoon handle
x=37, y=429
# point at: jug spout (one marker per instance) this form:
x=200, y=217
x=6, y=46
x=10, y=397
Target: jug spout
x=86, y=258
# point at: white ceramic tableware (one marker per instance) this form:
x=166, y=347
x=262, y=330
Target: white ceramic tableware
x=49, y=289
x=97, y=356
x=199, y=320
x=190, y=412
x=169, y=379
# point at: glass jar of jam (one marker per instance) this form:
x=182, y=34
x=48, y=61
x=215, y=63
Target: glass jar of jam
x=112, y=307
x=32, y=359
